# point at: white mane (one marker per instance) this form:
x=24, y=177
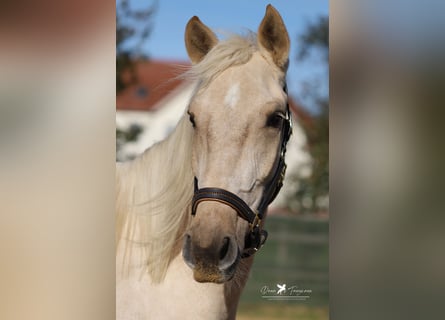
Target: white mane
x=153, y=199
x=235, y=50
x=154, y=191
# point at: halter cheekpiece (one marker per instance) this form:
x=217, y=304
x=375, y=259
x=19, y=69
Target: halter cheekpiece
x=257, y=236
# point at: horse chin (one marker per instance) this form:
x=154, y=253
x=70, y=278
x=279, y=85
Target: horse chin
x=204, y=277
x=213, y=274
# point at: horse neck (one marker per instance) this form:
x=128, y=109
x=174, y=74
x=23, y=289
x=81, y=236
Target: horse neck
x=234, y=287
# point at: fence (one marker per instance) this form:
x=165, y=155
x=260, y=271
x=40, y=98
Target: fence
x=296, y=254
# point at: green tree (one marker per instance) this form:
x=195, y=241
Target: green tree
x=316, y=36
x=314, y=40
x=133, y=27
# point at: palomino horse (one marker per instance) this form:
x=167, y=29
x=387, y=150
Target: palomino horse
x=190, y=209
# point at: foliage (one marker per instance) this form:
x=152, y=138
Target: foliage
x=133, y=27
x=316, y=187
x=316, y=36
x=129, y=135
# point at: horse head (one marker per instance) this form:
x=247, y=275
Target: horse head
x=239, y=115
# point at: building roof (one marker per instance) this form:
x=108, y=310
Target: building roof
x=154, y=81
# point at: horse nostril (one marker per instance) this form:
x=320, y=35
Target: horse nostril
x=224, y=248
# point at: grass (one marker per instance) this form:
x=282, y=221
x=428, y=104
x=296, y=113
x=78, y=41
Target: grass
x=269, y=311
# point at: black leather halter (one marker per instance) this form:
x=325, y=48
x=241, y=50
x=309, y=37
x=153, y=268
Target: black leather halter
x=257, y=236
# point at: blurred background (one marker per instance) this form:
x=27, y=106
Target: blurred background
x=150, y=100
x=386, y=196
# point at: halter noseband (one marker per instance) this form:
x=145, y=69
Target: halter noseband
x=257, y=236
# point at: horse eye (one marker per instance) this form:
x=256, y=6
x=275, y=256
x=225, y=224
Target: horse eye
x=275, y=120
x=192, y=119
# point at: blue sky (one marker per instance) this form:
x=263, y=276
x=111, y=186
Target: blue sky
x=167, y=38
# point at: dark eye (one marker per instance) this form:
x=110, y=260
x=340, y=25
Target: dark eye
x=192, y=119
x=275, y=120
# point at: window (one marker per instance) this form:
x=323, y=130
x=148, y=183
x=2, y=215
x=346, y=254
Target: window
x=141, y=92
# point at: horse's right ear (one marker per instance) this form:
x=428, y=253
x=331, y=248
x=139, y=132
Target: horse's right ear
x=273, y=36
x=199, y=39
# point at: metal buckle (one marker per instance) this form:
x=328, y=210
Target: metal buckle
x=291, y=130
x=262, y=239
x=256, y=221
x=282, y=175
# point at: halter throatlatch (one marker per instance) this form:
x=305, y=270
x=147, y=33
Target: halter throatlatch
x=257, y=236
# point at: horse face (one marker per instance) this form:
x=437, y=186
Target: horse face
x=237, y=118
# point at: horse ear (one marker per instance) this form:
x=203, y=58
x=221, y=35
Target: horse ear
x=199, y=39
x=273, y=36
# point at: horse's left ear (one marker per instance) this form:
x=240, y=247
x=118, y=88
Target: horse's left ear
x=199, y=39
x=273, y=36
